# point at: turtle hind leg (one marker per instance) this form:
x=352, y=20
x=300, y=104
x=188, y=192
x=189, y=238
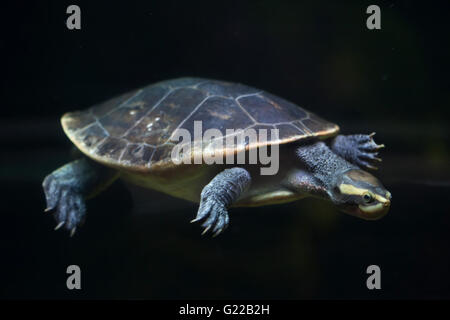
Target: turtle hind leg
x=67, y=188
x=359, y=149
x=224, y=189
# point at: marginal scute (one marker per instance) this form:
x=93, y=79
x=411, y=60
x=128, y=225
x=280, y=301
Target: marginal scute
x=299, y=124
x=317, y=125
x=264, y=133
x=312, y=125
x=137, y=155
x=162, y=153
x=286, y=131
x=78, y=119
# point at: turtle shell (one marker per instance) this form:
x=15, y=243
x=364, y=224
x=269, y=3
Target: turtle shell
x=134, y=130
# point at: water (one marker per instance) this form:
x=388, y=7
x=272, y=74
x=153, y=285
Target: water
x=139, y=245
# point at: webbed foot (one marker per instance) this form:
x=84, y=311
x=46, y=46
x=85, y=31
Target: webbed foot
x=359, y=149
x=67, y=203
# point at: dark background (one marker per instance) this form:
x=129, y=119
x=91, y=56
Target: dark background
x=318, y=54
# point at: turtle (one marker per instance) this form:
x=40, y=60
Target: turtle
x=131, y=137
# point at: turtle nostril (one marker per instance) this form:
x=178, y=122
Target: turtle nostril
x=387, y=203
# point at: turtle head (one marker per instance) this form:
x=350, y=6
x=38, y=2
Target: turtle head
x=360, y=194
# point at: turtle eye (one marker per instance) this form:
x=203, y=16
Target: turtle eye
x=367, y=198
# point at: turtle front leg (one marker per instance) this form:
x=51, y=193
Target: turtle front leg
x=67, y=188
x=359, y=149
x=218, y=195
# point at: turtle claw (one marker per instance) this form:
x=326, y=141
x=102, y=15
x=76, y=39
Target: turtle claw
x=368, y=166
x=215, y=213
x=67, y=203
x=195, y=219
x=206, y=230
x=217, y=233
x=52, y=192
x=59, y=225
x=220, y=226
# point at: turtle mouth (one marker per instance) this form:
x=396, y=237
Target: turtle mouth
x=368, y=212
x=374, y=212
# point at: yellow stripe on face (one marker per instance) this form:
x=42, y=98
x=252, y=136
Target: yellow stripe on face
x=352, y=190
